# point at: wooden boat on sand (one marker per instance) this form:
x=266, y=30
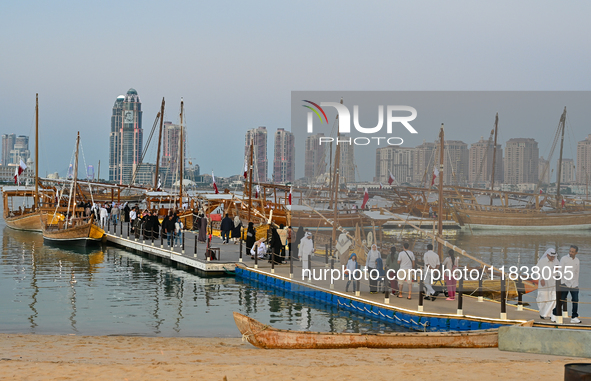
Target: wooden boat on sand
x=265, y=336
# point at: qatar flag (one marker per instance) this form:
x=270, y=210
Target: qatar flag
x=290, y=196
x=256, y=192
x=18, y=171
x=541, y=191
x=365, y=199
x=435, y=174
x=563, y=202
x=391, y=178
x=245, y=170
x=215, y=187
x=381, y=186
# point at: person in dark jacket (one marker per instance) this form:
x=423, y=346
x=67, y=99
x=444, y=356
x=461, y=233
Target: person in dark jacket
x=126, y=210
x=298, y=239
x=155, y=225
x=250, y=237
x=168, y=228
x=276, y=246
x=225, y=227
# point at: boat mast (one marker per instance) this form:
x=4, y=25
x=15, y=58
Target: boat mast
x=181, y=159
x=561, y=124
x=159, y=144
x=492, y=179
x=36, y=197
x=75, y=175
x=337, y=160
x=250, y=179
x=440, y=203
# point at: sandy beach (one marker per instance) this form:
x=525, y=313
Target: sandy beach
x=46, y=357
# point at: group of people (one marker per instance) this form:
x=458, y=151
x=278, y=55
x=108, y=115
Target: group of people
x=230, y=229
x=109, y=211
x=397, y=269
x=549, y=288
x=279, y=248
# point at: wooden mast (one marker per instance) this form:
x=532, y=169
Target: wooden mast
x=492, y=180
x=181, y=160
x=250, y=179
x=75, y=175
x=337, y=160
x=561, y=125
x=159, y=144
x=440, y=203
x=36, y=197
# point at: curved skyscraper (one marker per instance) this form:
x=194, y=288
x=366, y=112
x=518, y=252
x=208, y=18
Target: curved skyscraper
x=125, y=141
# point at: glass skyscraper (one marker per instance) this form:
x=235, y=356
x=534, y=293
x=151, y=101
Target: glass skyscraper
x=126, y=138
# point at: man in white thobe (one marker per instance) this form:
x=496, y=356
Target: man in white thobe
x=306, y=250
x=431, y=260
x=546, y=298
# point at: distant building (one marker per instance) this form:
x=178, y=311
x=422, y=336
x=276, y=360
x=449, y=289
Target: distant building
x=315, y=157
x=171, y=137
x=480, y=158
x=456, y=163
x=14, y=149
x=126, y=137
x=258, y=137
x=567, y=172
x=284, y=157
x=398, y=160
x=521, y=161
x=423, y=163
x=7, y=146
x=346, y=161
x=544, y=170
x=583, y=160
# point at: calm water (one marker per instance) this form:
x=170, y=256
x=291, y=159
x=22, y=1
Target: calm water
x=112, y=292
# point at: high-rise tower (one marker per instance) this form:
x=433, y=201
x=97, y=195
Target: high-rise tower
x=284, y=159
x=126, y=138
x=259, y=138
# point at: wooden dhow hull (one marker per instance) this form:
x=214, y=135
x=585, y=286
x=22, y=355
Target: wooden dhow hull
x=27, y=222
x=523, y=219
x=82, y=235
x=264, y=336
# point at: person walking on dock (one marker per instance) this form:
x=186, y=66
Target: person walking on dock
x=132, y=217
x=546, y=298
x=237, y=229
x=570, y=267
x=225, y=227
x=178, y=233
x=392, y=267
x=406, y=260
x=104, y=215
x=306, y=250
x=250, y=237
x=283, y=235
x=451, y=263
x=169, y=227
x=352, y=265
x=298, y=239
x=370, y=262
x=431, y=260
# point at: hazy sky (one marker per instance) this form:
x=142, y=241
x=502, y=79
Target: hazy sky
x=236, y=63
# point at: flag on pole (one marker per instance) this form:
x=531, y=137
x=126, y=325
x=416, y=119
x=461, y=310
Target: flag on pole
x=289, y=195
x=215, y=187
x=435, y=174
x=256, y=192
x=381, y=186
x=245, y=170
x=159, y=183
x=391, y=178
x=563, y=202
x=18, y=171
x=541, y=191
x=365, y=199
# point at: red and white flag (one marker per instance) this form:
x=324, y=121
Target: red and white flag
x=365, y=199
x=290, y=196
x=256, y=191
x=215, y=187
x=381, y=186
x=563, y=202
x=541, y=191
x=435, y=174
x=391, y=178
x=18, y=171
x=245, y=170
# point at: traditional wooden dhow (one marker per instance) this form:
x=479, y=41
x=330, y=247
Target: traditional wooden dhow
x=265, y=336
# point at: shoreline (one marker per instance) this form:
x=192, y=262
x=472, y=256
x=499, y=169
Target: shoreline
x=40, y=357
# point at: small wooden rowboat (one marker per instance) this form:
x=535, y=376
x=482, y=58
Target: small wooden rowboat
x=265, y=336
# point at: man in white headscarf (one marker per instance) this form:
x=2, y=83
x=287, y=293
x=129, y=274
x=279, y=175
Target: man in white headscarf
x=306, y=249
x=370, y=262
x=546, y=298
